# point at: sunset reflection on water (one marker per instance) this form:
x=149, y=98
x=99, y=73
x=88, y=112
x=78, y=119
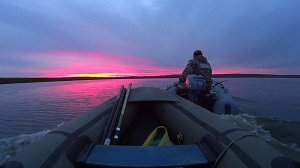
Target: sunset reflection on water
x=30, y=107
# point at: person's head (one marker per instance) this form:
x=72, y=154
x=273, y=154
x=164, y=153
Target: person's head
x=197, y=53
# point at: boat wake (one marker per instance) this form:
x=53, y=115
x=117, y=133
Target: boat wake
x=283, y=135
x=10, y=146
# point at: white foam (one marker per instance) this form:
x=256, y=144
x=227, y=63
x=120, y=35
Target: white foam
x=249, y=123
x=10, y=146
x=61, y=124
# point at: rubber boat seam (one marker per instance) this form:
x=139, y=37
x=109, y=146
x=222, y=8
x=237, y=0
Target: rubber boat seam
x=52, y=159
x=243, y=156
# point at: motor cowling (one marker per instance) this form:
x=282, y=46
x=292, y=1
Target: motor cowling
x=195, y=83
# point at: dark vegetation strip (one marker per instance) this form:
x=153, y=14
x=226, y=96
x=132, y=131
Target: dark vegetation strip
x=30, y=80
x=254, y=76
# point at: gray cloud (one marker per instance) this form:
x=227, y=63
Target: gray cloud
x=250, y=34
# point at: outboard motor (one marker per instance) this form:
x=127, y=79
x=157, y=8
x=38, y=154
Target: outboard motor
x=195, y=85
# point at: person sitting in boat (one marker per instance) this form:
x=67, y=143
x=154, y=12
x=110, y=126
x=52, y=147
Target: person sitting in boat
x=197, y=66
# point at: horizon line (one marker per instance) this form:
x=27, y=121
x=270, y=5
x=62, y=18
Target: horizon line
x=122, y=76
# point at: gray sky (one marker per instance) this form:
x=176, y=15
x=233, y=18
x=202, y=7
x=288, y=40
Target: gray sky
x=61, y=38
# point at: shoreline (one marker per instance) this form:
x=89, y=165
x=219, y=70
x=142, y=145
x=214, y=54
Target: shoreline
x=42, y=79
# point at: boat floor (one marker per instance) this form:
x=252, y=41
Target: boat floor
x=140, y=128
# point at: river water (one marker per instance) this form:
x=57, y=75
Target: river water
x=269, y=108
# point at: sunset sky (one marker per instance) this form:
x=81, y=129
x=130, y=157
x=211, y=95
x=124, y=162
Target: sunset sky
x=55, y=38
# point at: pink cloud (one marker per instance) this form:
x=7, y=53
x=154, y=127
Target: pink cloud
x=91, y=55
x=71, y=63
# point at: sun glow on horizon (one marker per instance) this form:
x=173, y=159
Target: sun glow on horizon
x=215, y=72
x=100, y=75
x=93, y=64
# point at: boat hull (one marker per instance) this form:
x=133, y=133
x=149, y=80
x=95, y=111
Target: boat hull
x=148, y=108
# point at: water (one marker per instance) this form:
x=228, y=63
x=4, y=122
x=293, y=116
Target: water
x=270, y=108
x=273, y=98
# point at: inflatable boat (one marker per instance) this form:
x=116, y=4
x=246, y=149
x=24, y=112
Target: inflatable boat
x=148, y=127
x=217, y=100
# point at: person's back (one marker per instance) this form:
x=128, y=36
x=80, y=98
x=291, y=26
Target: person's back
x=198, y=66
